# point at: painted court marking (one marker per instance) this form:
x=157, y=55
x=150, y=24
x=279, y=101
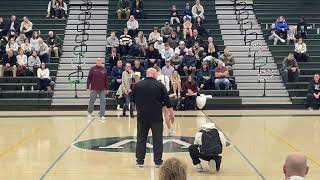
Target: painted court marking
x=21, y=142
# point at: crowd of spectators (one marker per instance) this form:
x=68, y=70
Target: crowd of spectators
x=178, y=49
x=23, y=52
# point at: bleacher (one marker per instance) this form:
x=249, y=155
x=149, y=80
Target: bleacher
x=267, y=12
x=157, y=13
x=18, y=91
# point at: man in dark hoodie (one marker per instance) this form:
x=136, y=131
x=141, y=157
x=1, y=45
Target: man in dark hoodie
x=189, y=63
x=302, y=28
x=290, y=68
x=313, y=96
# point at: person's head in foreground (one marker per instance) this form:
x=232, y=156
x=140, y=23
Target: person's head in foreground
x=295, y=167
x=173, y=169
x=152, y=73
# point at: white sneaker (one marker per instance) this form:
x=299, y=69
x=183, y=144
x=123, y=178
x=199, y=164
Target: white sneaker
x=102, y=119
x=282, y=40
x=198, y=168
x=171, y=132
x=139, y=165
x=310, y=109
x=212, y=166
x=89, y=115
x=118, y=108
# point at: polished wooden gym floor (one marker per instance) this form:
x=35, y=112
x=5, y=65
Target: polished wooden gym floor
x=59, y=145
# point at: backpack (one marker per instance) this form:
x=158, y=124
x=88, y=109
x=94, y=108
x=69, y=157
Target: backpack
x=211, y=144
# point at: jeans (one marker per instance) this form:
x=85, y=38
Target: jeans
x=290, y=75
x=196, y=155
x=44, y=58
x=43, y=84
x=225, y=82
x=143, y=128
x=312, y=101
x=128, y=104
x=93, y=97
x=148, y=64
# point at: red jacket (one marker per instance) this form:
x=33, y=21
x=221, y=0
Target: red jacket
x=97, y=79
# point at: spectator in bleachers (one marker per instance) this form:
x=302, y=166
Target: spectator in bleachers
x=166, y=32
x=313, y=96
x=9, y=63
x=51, y=8
x=26, y=46
x=2, y=49
x=167, y=69
x=61, y=10
x=164, y=79
x=20, y=39
x=55, y=44
x=167, y=53
x=179, y=33
x=137, y=9
x=26, y=27
x=176, y=83
x=116, y=75
x=112, y=42
x=152, y=57
x=198, y=25
x=173, y=40
x=187, y=12
x=281, y=27
x=13, y=46
x=302, y=27
x=44, y=79
x=198, y=54
x=187, y=28
x=195, y=38
x=273, y=35
x=142, y=44
x=205, y=77
x=227, y=59
x=127, y=80
x=189, y=63
x=190, y=89
x=154, y=35
x=211, y=50
x=43, y=51
x=173, y=169
x=181, y=49
x=221, y=76
x=290, y=69
x=22, y=62
x=295, y=167
x=13, y=25
x=291, y=35
x=159, y=45
x=174, y=15
x=125, y=42
x=137, y=68
x=34, y=41
x=123, y=9
x=133, y=26
x=300, y=51
x=113, y=57
x=34, y=62
x=198, y=10
x=2, y=28
x=176, y=61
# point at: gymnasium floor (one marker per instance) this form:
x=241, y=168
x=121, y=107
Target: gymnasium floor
x=53, y=146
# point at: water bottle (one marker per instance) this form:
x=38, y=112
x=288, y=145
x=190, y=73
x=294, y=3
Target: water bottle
x=32, y=88
x=22, y=88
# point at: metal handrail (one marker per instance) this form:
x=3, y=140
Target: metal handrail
x=245, y=38
x=242, y=26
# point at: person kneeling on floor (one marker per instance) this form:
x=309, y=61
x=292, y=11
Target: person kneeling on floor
x=208, y=145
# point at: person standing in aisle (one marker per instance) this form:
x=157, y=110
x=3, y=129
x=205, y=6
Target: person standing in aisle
x=97, y=83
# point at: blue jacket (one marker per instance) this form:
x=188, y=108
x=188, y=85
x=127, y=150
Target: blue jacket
x=281, y=25
x=189, y=61
x=187, y=12
x=116, y=73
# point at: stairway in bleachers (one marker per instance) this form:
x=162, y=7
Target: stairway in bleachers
x=267, y=12
x=18, y=91
x=246, y=72
x=64, y=89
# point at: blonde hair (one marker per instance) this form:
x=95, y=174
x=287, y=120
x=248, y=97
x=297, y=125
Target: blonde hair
x=173, y=169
